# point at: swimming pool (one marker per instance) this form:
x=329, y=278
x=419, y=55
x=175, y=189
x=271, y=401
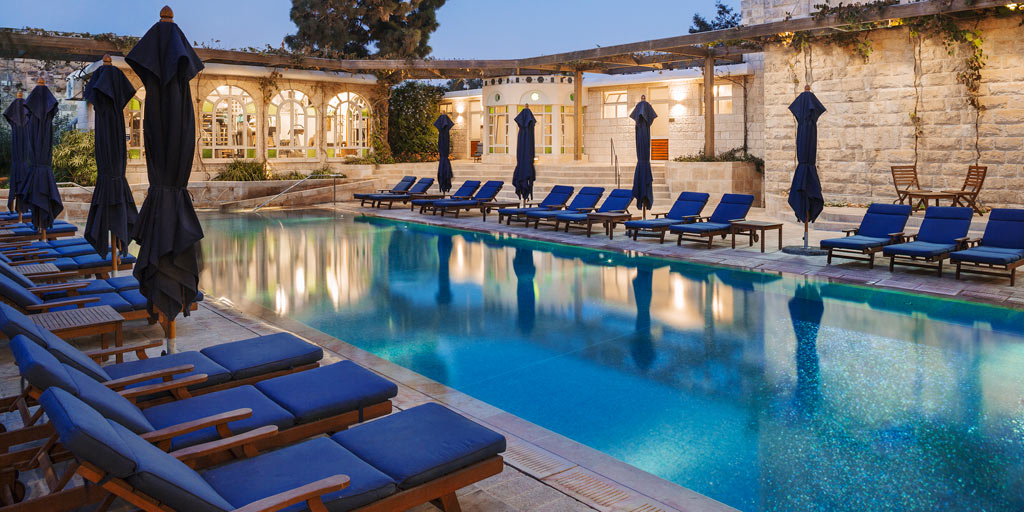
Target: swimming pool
x=761, y=391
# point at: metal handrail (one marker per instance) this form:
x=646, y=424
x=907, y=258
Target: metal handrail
x=297, y=183
x=73, y=184
x=615, y=162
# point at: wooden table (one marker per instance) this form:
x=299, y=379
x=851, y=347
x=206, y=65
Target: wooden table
x=608, y=220
x=72, y=323
x=36, y=268
x=923, y=196
x=754, y=228
x=494, y=205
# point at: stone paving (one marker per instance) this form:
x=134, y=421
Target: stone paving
x=974, y=288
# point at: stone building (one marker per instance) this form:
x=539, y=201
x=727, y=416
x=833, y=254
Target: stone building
x=870, y=124
x=295, y=120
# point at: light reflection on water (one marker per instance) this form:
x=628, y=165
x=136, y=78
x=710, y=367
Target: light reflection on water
x=763, y=392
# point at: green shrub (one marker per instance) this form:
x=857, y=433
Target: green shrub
x=244, y=170
x=733, y=155
x=412, y=110
x=74, y=157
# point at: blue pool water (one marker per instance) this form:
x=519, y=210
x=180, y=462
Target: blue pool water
x=761, y=391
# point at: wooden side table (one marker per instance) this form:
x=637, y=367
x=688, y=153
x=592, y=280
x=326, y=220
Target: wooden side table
x=485, y=208
x=36, y=268
x=754, y=229
x=72, y=323
x=608, y=220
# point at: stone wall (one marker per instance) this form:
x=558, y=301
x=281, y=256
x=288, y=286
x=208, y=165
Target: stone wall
x=868, y=125
x=715, y=179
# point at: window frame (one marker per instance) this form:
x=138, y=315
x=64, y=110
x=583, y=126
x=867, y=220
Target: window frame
x=619, y=108
x=224, y=94
x=332, y=128
x=273, y=120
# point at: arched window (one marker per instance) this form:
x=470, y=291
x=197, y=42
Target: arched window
x=348, y=126
x=291, y=126
x=133, y=116
x=228, y=124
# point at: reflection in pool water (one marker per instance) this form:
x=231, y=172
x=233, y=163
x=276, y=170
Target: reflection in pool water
x=763, y=392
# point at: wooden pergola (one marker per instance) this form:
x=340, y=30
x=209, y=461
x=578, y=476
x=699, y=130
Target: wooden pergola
x=705, y=49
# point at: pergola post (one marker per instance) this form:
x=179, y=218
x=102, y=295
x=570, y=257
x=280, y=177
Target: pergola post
x=577, y=109
x=709, y=105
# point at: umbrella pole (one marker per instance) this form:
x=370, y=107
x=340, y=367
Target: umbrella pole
x=114, y=253
x=807, y=215
x=643, y=211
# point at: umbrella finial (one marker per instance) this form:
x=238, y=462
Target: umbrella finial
x=807, y=88
x=19, y=94
x=106, y=59
x=643, y=97
x=166, y=14
x=40, y=81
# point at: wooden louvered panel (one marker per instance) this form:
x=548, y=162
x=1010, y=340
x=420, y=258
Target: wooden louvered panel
x=659, y=149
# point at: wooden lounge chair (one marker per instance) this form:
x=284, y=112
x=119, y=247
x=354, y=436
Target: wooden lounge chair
x=584, y=202
x=999, y=251
x=465, y=191
x=686, y=208
x=732, y=208
x=968, y=193
x=420, y=188
x=302, y=405
x=882, y=225
x=904, y=178
x=943, y=230
x=226, y=365
x=616, y=202
x=486, y=193
x=556, y=199
x=400, y=188
x=370, y=467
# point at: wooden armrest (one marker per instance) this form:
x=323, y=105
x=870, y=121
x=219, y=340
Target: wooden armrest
x=24, y=252
x=307, y=493
x=973, y=242
x=962, y=241
x=660, y=215
x=585, y=210
x=910, y=237
x=47, y=277
x=188, y=427
x=14, y=245
x=32, y=262
x=139, y=349
x=895, y=236
x=221, y=445
x=166, y=375
x=63, y=287
x=174, y=385
x=734, y=220
x=852, y=231
x=76, y=301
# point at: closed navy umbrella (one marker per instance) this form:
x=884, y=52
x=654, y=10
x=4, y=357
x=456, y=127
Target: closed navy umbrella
x=805, y=193
x=112, y=212
x=40, y=189
x=643, y=183
x=167, y=229
x=17, y=116
x=444, y=166
x=525, y=173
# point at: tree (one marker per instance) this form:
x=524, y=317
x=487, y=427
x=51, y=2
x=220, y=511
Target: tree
x=382, y=29
x=458, y=84
x=724, y=18
x=414, y=107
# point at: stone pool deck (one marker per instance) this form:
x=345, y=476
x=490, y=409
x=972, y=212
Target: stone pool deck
x=543, y=471
x=975, y=288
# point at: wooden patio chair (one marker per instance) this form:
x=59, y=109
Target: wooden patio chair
x=904, y=178
x=968, y=194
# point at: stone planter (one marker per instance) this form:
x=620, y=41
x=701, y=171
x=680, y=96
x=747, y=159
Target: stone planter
x=716, y=179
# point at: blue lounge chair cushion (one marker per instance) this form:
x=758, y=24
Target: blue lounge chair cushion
x=855, y=242
x=95, y=260
x=97, y=286
x=569, y=216
x=215, y=373
x=70, y=251
x=399, y=187
x=42, y=370
x=250, y=480
x=944, y=224
x=617, y=201
x=13, y=323
x=732, y=207
x=587, y=198
x=918, y=248
x=66, y=264
x=699, y=227
x=264, y=412
x=13, y=274
x=134, y=298
x=881, y=220
x=688, y=204
x=523, y=211
x=422, y=443
x=124, y=283
x=64, y=242
x=451, y=203
x=327, y=391
x=16, y=293
x=985, y=254
x=651, y=223
x=105, y=299
x=558, y=196
x=263, y=354
x=1005, y=229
